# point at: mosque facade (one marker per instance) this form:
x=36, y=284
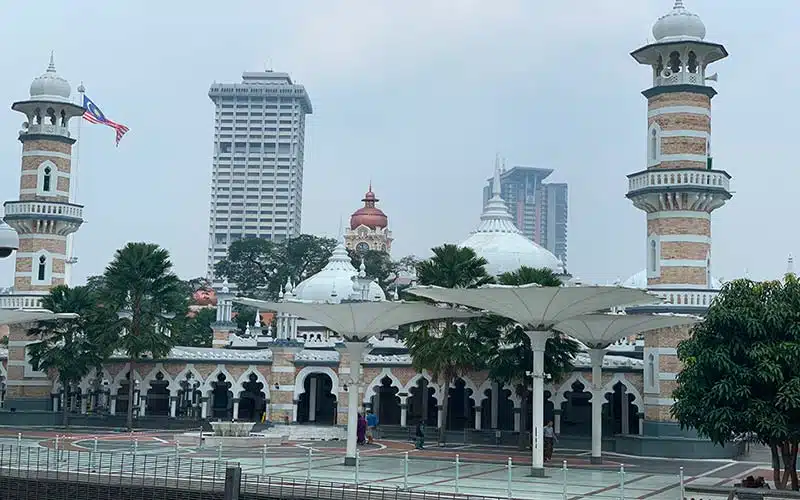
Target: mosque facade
x=294, y=371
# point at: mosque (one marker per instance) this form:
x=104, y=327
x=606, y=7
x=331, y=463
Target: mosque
x=294, y=372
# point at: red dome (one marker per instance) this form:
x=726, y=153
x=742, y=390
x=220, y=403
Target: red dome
x=369, y=215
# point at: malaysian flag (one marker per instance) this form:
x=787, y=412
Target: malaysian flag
x=94, y=115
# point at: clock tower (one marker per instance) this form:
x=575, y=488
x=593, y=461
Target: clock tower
x=369, y=227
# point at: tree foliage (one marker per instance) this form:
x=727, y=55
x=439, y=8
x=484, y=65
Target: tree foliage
x=260, y=267
x=149, y=299
x=71, y=348
x=378, y=265
x=741, y=371
x=453, y=266
x=194, y=329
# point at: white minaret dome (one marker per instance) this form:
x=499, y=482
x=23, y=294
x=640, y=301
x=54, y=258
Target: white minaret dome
x=679, y=25
x=502, y=244
x=50, y=86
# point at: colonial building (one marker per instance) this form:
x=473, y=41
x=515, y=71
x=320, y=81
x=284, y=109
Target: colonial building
x=369, y=227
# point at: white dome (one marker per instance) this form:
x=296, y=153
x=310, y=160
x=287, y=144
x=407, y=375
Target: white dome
x=336, y=282
x=9, y=241
x=50, y=86
x=502, y=244
x=639, y=280
x=679, y=25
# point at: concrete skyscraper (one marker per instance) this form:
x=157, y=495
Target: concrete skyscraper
x=540, y=210
x=257, y=180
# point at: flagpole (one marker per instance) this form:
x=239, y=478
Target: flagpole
x=73, y=192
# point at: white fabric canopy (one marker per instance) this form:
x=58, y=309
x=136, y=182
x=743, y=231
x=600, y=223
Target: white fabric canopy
x=360, y=319
x=13, y=316
x=537, y=307
x=598, y=331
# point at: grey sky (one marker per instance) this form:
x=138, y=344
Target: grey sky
x=416, y=96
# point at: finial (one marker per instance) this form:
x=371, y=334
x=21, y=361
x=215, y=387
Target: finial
x=257, y=321
x=790, y=265
x=333, y=290
x=370, y=186
x=395, y=295
x=269, y=330
x=496, y=181
x=362, y=269
x=678, y=5
x=247, y=330
x=289, y=286
x=51, y=68
x=280, y=293
x=81, y=88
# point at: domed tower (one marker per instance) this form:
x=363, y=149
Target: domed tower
x=369, y=227
x=678, y=190
x=43, y=217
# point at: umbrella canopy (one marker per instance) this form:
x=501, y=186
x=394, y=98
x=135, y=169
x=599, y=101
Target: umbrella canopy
x=598, y=331
x=537, y=307
x=360, y=320
x=13, y=316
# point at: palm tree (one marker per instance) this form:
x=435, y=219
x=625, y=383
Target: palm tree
x=508, y=348
x=447, y=349
x=71, y=347
x=140, y=286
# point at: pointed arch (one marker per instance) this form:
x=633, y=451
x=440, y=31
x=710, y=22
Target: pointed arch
x=485, y=386
x=119, y=377
x=47, y=178
x=559, y=395
x=629, y=388
x=369, y=390
x=159, y=367
x=437, y=389
x=300, y=378
x=189, y=369
x=212, y=377
x=653, y=144
x=238, y=386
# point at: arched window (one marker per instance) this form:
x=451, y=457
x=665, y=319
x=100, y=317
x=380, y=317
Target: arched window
x=41, y=271
x=51, y=116
x=675, y=62
x=652, y=256
x=653, y=144
x=47, y=179
x=651, y=370
x=691, y=64
x=37, y=116
x=63, y=118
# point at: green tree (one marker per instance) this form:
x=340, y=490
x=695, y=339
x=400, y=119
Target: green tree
x=507, y=348
x=741, y=371
x=194, y=330
x=378, y=265
x=261, y=267
x=447, y=349
x=72, y=348
x=150, y=301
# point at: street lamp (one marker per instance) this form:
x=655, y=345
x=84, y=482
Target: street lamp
x=356, y=322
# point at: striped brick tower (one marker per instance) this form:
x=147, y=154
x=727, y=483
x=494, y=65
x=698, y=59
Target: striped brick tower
x=43, y=218
x=678, y=190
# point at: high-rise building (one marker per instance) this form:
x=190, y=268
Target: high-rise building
x=257, y=179
x=539, y=209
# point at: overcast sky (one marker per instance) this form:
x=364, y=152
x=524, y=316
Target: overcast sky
x=417, y=96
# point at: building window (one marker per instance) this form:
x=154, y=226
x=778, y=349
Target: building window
x=41, y=272
x=653, y=145
x=650, y=375
x=47, y=179
x=653, y=257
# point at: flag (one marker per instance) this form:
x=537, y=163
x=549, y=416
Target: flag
x=94, y=115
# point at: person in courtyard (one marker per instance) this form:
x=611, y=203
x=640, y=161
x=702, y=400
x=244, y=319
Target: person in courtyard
x=372, y=426
x=361, y=429
x=550, y=439
x=420, y=436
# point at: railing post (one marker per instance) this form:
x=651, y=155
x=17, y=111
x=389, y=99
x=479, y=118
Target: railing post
x=177, y=449
x=405, y=471
x=564, y=480
x=510, y=476
x=135, y=446
x=219, y=452
x=264, y=460
x=94, y=445
x=458, y=471
x=358, y=464
x=622, y=481
x=680, y=477
x=233, y=482
x=308, y=465
x=19, y=439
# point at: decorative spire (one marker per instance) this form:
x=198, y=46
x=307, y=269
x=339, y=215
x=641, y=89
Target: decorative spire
x=395, y=295
x=790, y=265
x=496, y=180
x=247, y=330
x=257, y=321
x=678, y=5
x=495, y=217
x=51, y=68
x=362, y=269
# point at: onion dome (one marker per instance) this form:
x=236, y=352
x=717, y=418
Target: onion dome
x=502, y=244
x=679, y=25
x=369, y=215
x=639, y=280
x=50, y=86
x=335, y=282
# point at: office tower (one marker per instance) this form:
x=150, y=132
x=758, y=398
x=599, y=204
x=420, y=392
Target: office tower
x=540, y=210
x=257, y=180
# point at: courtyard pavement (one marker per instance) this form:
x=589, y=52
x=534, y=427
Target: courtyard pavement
x=470, y=469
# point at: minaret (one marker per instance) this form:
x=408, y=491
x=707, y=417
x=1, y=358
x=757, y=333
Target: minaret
x=43, y=217
x=678, y=189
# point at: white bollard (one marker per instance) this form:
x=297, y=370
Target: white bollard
x=405, y=471
x=19, y=439
x=219, y=452
x=264, y=460
x=680, y=477
x=135, y=446
x=94, y=445
x=57, y=443
x=308, y=465
x=458, y=471
x=622, y=481
x=177, y=449
x=358, y=460
x=564, y=480
x=510, y=476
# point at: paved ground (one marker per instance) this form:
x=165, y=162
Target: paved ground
x=480, y=470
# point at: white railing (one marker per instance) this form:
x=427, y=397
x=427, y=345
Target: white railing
x=626, y=345
x=686, y=298
x=20, y=301
x=682, y=77
x=43, y=208
x=46, y=128
x=678, y=178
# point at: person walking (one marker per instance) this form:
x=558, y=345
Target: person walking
x=550, y=439
x=361, y=429
x=420, y=435
x=372, y=426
